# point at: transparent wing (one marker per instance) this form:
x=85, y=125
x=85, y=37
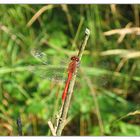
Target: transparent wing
x=46, y=58
x=40, y=56
x=50, y=72
x=48, y=66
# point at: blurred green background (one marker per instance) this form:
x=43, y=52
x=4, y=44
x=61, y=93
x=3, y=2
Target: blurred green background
x=106, y=99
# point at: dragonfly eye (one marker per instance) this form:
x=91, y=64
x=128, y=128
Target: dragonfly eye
x=73, y=58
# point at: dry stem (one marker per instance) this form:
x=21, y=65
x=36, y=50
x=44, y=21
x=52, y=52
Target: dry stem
x=122, y=32
x=37, y=15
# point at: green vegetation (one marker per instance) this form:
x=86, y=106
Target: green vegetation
x=106, y=99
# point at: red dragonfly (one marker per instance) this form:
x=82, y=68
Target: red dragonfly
x=71, y=70
x=56, y=74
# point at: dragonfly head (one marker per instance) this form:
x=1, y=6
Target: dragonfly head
x=75, y=58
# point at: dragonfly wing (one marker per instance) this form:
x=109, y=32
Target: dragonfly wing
x=47, y=59
x=50, y=72
x=40, y=56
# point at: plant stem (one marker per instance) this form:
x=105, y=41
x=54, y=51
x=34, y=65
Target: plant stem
x=65, y=105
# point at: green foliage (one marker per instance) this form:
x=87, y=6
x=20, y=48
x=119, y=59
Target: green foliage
x=59, y=33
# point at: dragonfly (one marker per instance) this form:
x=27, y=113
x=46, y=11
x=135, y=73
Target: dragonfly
x=58, y=73
x=71, y=70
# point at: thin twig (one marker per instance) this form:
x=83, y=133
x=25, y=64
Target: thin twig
x=136, y=13
x=69, y=18
x=51, y=128
x=135, y=30
x=37, y=15
x=128, y=54
x=65, y=105
x=8, y=31
x=113, y=9
x=77, y=33
x=121, y=64
x=123, y=32
x=137, y=112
